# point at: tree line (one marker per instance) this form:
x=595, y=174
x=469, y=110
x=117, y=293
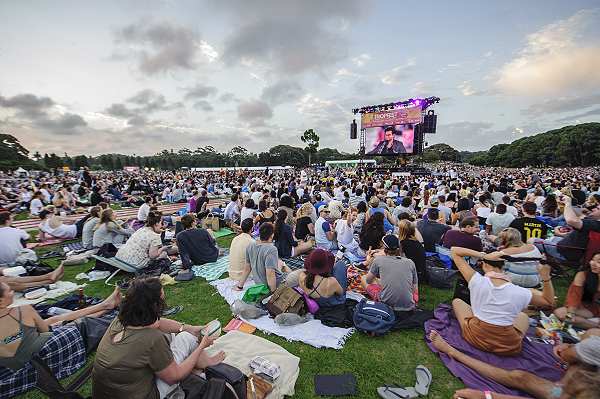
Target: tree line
x=577, y=145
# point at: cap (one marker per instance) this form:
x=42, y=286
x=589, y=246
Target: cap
x=391, y=242
x=323, y=208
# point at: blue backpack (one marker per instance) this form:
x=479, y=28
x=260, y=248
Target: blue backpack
x=373, y=318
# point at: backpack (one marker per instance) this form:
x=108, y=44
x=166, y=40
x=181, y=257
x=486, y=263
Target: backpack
x=230, y=382
x=286, y=300
x=373, y=318
x=438, y=274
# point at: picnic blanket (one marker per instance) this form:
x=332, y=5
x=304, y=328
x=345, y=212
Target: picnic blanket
x=536, y=358
x=60, y=288
x=241, y=348
x=212, y=271
x=312, y=332
x=294, y=263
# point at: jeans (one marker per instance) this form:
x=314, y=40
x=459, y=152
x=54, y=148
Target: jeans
x=549, y=246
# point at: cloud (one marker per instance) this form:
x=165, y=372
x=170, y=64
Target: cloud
x=361, y=60
x=140, y=106
x=43, y=113
x=562, y=104
x=399, y=73
x=562, y=57
x=162, y=46
x=28, y=105
x=227, y=97
x=592, y=112
x=468, y=90
x=254, y=112
x=283, y=91
x=203, y=105
x=199, y=91
x=65, y=124
x=292, y=37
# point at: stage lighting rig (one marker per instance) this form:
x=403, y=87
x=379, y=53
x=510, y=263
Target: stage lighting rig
x=424, y=103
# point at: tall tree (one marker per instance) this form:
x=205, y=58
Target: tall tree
x=311, y=139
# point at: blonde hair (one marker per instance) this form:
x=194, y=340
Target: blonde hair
x=374, y=201
x=406, y=230
x=105, y=217
x=510, y=237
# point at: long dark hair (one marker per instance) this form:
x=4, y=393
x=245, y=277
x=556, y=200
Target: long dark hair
x=590, y=286
x=281, y=216
x=372, y=231
x=143, y=304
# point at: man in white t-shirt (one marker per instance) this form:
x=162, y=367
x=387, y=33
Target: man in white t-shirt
x=11, y=241
x=345, y=231
x=498, y=220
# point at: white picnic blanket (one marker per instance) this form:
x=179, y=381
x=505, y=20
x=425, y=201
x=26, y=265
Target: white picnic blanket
x=313, y=332
x=60, y=288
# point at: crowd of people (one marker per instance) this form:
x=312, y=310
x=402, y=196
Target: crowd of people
x=502, y=229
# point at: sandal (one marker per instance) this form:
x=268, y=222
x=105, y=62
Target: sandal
x=173, y=310
x=396, y=392
x=423, y=380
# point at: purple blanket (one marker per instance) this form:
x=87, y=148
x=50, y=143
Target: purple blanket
x=536, y=358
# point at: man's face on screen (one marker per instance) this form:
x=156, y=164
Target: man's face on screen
x=389, y=135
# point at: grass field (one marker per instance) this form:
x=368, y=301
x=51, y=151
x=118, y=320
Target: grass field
x=374, y=361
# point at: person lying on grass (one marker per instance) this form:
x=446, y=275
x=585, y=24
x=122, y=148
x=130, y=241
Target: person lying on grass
x=495, y=321
x=135, y=358
x=23, y=333
x=579, y=382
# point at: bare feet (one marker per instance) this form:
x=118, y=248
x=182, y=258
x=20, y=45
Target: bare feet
x=440, y=343
x=216, y=359
x=113, y=300
x=57, y=273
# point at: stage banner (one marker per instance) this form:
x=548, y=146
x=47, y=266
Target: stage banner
x=401, y=116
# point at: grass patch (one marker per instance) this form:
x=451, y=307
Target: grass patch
x=374, y=361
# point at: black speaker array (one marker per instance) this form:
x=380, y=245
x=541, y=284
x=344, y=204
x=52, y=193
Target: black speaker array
x=429, y=122
x=353, y=130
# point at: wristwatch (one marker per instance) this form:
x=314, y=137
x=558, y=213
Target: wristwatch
x=181, y=327
x=488, y=395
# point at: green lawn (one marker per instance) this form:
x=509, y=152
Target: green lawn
x=374, y=361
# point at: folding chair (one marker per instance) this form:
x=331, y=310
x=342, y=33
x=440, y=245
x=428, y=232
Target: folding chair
x=49, y=385
x=120, y=265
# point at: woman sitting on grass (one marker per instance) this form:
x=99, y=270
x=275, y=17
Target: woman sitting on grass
x=135, y=359
x=583, y=299
x=284, y=240
x=23, y=333
x=495, y=321
x=52, y=226
x=522, y=272
x=109, y=231
x=323, y=280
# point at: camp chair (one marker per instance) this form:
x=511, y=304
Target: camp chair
x=561, y=267
x=119, y=264
x=49, y=385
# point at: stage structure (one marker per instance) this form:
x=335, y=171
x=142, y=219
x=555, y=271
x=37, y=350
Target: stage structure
x=395, y=129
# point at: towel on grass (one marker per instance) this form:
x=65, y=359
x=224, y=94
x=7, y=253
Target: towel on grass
x=212, y=271
x=60, y=288
x=313, y=332
x=535, y=358
x=241, y=348
x=294, y=263
x=222, y=232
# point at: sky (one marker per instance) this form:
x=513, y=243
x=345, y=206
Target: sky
x=136, y=77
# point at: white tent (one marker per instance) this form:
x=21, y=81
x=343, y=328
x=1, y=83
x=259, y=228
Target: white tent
x=20, y=172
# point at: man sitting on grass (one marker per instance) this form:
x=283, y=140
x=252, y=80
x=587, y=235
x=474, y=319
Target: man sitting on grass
x=263, y=262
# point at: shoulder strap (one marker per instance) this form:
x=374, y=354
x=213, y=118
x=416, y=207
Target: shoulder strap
x=316, y=287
